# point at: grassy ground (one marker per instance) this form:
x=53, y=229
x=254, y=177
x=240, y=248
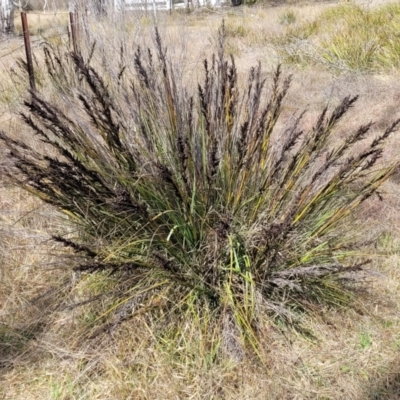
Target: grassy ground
x=353, y=354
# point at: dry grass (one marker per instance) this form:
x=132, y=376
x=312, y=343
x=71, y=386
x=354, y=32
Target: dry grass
x=354, y=354
x=325, y=40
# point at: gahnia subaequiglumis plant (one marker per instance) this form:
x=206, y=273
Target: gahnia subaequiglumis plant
x=191, y=196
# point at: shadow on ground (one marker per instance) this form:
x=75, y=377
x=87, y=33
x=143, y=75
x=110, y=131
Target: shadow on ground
x=18, y=336
x=387, y=386
x=14, y=343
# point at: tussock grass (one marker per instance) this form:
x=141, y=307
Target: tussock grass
x=353, y=351
x=192, y=200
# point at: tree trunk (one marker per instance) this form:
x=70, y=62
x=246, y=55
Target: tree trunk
x=6, y=16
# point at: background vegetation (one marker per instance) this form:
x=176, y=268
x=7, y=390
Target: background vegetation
x=373, y=45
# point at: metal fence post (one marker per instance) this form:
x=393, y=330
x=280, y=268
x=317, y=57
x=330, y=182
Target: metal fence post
x=28, y=50
x=72, y=21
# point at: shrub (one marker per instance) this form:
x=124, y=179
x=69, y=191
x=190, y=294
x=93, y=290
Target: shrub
x=193, y=199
